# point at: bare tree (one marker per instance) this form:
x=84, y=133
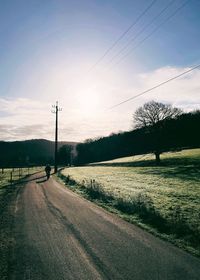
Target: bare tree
x=153, y=112
x=152, y=116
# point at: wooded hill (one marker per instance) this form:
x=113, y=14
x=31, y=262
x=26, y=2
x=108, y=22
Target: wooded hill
x=29, y=152
x=182, y=132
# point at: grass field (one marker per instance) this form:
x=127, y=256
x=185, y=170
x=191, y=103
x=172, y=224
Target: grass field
x=164, y=199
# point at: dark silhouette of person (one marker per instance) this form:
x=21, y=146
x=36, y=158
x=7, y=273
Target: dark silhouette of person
x=48, y=171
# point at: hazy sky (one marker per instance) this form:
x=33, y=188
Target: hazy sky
x=48, y=49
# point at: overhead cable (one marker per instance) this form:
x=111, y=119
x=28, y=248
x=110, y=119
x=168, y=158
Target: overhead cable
x=123, y=34
x=155, y=87
x=141, y=31
x=154, y=30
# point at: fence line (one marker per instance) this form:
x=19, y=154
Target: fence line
x=15, y=174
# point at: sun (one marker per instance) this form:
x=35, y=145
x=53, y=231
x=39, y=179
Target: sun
x=88, y=102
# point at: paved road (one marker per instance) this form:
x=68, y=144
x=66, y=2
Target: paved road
x=59, y=235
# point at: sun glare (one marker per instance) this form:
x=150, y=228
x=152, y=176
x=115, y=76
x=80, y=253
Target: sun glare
x=87, y=102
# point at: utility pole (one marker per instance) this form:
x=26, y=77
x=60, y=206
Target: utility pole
x=55, y=110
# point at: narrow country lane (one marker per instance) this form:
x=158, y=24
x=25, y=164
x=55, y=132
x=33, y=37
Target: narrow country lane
x=59, y=235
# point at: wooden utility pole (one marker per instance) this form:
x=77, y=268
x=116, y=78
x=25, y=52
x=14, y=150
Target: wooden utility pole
x=55, y=110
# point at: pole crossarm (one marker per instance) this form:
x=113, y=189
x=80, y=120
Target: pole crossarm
x=55, y=108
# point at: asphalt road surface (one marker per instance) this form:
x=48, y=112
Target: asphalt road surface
x=59, y=235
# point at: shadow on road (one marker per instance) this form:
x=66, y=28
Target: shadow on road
x=27, y=179
x=41, y=181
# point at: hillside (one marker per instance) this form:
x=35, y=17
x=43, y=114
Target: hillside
x=173, y=134
x=36, y=151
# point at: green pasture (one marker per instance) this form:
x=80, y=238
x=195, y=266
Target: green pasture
x=173, y=187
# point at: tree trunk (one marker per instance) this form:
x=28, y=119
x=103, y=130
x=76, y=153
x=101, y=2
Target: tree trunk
x=157, y=154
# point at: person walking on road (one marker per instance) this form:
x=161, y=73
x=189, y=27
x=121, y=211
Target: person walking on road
x=48, y=171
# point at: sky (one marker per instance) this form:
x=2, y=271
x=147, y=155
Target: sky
x=54, y=50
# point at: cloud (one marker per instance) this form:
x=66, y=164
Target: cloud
x=24, y=118
x=11, y=132
x=183, y=92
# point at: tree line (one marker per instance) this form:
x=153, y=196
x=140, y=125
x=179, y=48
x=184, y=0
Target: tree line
x=159, y=128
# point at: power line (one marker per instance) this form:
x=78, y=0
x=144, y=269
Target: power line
x=123, y=34
x=154, y=30
x=157, y=86
x=142, y=30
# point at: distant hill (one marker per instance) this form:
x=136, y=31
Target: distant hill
x=36, y=151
